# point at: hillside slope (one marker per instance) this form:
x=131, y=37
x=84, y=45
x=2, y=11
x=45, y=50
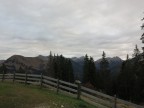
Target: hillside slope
x=27, y=63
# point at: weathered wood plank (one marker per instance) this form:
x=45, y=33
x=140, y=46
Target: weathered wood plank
x=67, y=88
x=67, y=83
x=17, y=77
x=96, y=92
x=49, y=78
x=33, y=75
x=98, y=105
x=129, y=103
x=8, y=77
x=34, y=79
x=49, y=86
x=49, y=82
x=19, y=74
x=8, y=74
x=95, y=99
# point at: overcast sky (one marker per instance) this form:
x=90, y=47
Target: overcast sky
x=70, y=27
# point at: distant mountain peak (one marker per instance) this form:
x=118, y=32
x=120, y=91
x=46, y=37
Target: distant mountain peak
x=114, y=64
x=111, y=59
x=45, y=58
x=78, y=58
x=17, y=61
x=13, y=56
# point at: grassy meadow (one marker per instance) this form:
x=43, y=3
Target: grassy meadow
x=21, y=96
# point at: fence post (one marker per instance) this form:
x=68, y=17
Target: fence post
x=14, y=77
x=78, y=88
x=115, y=101
x=57, y=85
x=26, y=78
x=41, y=81
x=79, y=91
x=3, y=76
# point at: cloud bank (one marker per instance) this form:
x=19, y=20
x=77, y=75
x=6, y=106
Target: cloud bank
x=70, y=27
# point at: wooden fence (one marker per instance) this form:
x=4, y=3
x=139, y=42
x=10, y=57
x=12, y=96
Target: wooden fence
x=76, y=90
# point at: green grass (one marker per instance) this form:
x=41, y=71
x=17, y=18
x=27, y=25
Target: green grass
x=21, y=96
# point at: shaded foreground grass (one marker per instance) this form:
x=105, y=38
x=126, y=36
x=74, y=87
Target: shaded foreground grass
x=21, y=96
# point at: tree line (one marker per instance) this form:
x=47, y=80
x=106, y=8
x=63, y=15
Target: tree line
x=100, y=79
x=128, y=84
x=59, y=67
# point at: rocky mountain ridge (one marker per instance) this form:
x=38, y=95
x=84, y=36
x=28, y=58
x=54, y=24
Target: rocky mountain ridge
x=26, y=63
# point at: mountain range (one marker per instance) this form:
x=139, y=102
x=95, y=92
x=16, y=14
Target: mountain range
x=38, y=64
x=115, y=64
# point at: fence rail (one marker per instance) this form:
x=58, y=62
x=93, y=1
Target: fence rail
x=75, y=90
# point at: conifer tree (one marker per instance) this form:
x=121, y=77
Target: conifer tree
x=63, y=68
x=89, y=70
x=105, y=77
x=127, y=57
x=92, y=71
x=55, y=63
x=142, y=36
x=136, y=51
x=131, y=78
x=139, y=73
x=104, y=65
x=126, y=81
x=86, y=69
x=70, y=72
x=50, y=67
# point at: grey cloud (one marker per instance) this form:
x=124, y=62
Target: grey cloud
x=72, y=28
